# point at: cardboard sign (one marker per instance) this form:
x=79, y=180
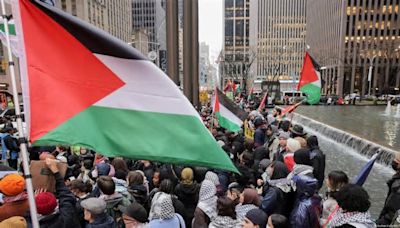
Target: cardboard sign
x=42, y=177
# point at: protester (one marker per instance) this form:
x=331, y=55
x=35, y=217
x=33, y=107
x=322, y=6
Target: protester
x=95, y=213
x=11, y=144
x=317, y=160
x=249, y=200
x=226, y=217
x=135, y=216
x=81, y=190
x=259, y=134
x=392, y=202
x=297, y=131
x=136, y=187
x=15, y=199
x=288, y=158
x=277, y=221
x=255, y=218
x=354, y=203
x=206, y=209
x=336, y=180
x=162, y=213
x=46, y=203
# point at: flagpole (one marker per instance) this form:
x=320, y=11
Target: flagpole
x=21, y=135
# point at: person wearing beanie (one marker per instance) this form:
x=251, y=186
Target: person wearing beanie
x=187, y=192
x=95, y=213
x=292, y=145
x=14, y=222
x=135, y=216
x=281, y=150
x=255, y=218
x=46, y=203
x=15, y=199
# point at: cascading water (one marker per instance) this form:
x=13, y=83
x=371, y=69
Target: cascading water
x=342, y=138
x=388, y=109
x=398, y=111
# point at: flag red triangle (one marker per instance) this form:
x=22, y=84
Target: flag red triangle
x=308, y=74
x=216, y=101
x=64, y=76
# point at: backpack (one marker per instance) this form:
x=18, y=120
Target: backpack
x=114, y=210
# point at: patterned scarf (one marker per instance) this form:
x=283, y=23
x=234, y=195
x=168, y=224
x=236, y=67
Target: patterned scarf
x=241, y=210
x=19, y=197
x=352, y=218
x=208, y=199
x=162, y=207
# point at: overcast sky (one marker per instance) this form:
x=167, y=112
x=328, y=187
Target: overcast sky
x=210, y=25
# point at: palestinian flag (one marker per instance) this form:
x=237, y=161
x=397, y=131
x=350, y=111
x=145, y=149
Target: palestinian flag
x=15, y=47
x=310, y=81
x=262, y=104
x=229, y=115
x=85, y=87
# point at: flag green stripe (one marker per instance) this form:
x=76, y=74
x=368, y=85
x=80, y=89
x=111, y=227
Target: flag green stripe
x=313, y=93
x=177, y=139
x=11, y=29
x=226, y=123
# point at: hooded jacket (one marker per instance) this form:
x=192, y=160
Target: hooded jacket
x=188, y=194
x=392, y=202
x=317, y=160
x=103, y=221
x=307, y=208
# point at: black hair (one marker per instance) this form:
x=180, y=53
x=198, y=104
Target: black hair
x=226, y=207
x=167, y=186
x=285, y=125
x=353, y=198
x=106, y=185
x=280, y=170
x=88, y=164
x=337, y=179
x=279, y=221
x=80, y=185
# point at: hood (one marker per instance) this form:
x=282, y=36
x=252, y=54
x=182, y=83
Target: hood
x=305, y=186
x=312, y=142
x=112, y=200
x=280, y=171
x=301, y=170
x=103, y=221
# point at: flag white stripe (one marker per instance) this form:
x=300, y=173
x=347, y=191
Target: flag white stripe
x=229, y=115
x=147, y=88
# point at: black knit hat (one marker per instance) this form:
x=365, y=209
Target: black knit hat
x=257, y=217
x=137, y=212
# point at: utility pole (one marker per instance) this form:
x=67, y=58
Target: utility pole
x=172, y=41
x=195, y=52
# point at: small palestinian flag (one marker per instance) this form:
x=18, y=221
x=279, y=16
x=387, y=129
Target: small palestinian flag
x=82, y=86
x=310, y=81
x=229, y=115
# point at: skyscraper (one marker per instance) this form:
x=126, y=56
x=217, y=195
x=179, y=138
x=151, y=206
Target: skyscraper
x=277, y=35
x=347, y=37
x=236, y=40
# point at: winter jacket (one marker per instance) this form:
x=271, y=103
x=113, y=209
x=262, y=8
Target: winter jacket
x=307, y=209
x=273, y=145
x=259, y=137
x=115, y=204
x=18, y=207
x=225, y=222
x=275, y=200
x=103, y=221
x=318, y=163
x=66, y=216
x=200, y=220
x=189, y=196
x=12, y=145
x=139, y=193
x=392, y=202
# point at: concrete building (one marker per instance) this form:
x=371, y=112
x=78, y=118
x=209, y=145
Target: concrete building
x=277, y=35
x=236, y=52
x=346, y=36
x=140, y=41
x=150, y=15
x=113, y=17
x=204, y=64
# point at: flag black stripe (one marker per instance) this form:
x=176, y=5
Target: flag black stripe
x=94, y=39
x=231, y=106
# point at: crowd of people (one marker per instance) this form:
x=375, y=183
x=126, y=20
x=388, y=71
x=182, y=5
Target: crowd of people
x=282, y=174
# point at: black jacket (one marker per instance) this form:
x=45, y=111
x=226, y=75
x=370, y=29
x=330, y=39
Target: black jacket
x=318, y=163
x=67, y=214
x=11, y=143
x=392, y=202
x=188, y=195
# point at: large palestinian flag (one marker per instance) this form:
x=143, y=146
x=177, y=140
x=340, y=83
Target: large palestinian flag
x=310, y=80
x=229, y=115
x=84, y=87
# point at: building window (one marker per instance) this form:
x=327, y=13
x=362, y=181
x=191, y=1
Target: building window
x=73, y=5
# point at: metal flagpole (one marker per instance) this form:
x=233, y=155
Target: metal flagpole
x=21, y=134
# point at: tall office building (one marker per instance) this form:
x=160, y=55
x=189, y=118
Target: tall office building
x=113, y=17
x=235, y=57
x=277, y=35
x=347, y=36
x=150, y=16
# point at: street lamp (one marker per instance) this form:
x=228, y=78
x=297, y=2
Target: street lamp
x=371, y=61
